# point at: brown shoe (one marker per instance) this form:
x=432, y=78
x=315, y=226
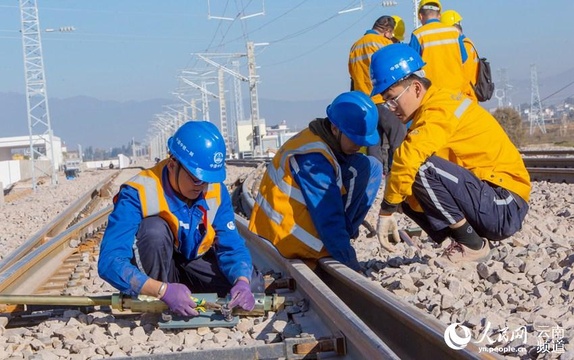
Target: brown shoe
x=457, y=252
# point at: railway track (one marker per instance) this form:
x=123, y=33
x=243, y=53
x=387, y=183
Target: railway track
x=370, y=321
x=550, y=165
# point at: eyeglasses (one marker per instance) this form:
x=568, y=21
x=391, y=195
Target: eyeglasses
x=194, y=180
x=392, y=104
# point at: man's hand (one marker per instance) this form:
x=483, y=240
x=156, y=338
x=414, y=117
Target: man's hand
x=241, y=295
x=178, y=299
x=385, y=225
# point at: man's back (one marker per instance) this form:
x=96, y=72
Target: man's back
x=440, y=49
x=361, y=52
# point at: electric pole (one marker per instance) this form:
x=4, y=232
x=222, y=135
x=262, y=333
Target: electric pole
x=253, y=95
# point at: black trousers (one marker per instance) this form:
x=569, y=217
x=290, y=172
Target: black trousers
x=154, y=254
x=449, y=193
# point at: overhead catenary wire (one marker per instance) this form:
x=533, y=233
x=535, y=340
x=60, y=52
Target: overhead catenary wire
x=315, y=48
x=557, y=91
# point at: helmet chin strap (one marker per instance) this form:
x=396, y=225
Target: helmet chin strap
x=178, y=190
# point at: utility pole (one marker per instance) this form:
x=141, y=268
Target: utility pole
x=254, y=98
x=204, y=95
x=39, y=125
x=416, y=21
x=228, y=136
x=536, y=116
x=223, y=111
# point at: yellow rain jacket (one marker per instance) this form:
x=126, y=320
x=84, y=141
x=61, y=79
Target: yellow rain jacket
x=360, y=61
x=440, y=50
x=457, y=129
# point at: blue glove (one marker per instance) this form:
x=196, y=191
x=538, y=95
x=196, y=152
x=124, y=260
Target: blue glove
x=178, y=299
x=241, y=295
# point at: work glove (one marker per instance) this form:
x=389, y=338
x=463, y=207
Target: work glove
x=178, y=299
x=241, y=295
x=385, y=225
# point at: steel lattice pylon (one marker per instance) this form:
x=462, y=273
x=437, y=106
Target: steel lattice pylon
x=36, y=95
x=536, y=116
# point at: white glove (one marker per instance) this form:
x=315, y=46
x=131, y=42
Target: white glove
x=388, y=224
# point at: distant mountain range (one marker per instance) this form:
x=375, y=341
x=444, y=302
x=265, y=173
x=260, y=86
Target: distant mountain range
x=105, y=124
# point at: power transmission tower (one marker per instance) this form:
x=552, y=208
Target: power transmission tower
x=535, y=115
x=503, y=89
x=39, y=125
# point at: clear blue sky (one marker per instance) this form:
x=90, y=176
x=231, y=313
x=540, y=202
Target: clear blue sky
x=135, y=49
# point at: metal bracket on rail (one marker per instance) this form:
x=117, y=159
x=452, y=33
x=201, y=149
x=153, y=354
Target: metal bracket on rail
x=306, y=347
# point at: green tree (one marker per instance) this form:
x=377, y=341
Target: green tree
x=511, y=122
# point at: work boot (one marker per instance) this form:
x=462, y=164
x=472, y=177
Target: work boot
x=457, y=252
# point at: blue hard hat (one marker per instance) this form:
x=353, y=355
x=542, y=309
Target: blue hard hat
x=200, y=148
x=391, y=64
x=355, y=114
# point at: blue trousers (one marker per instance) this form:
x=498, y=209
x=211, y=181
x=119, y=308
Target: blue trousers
x=154, y=254
x=361, y=190
x=449, y=193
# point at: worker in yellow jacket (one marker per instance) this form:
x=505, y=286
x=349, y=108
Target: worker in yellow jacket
x=456, y=174
x=470, y=66
x=318, y=188
x=441, y=48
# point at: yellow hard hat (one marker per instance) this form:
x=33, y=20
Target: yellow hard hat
x=450, y=17
x=399, y=30
x=428, y=4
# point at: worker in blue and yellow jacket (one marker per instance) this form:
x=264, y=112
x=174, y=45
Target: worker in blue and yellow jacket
x=457, y=174
x=318, y=189
x=172, y=229
x=441, y=48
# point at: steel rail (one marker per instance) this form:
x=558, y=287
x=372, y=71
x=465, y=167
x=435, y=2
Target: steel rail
x=554, y=175
x=549, y=162
x=409, y=332
x=362, y=342
x=57, y=225
x=30, y=271
x=565, y=152
x=398, y=324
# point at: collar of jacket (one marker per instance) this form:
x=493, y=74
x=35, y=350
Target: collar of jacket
x=175, y=201
x=322, y=128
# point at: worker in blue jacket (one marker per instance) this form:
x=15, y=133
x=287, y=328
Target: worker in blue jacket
x=172, y=229
x=318, y=188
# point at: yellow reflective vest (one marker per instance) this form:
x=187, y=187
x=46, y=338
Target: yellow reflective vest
x=440, y=50
x=457, y=129
x=153, y=202
x=280, y=214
